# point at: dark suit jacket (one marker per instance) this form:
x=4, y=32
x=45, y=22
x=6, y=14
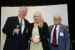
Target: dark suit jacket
x=15, y=42
x=44, y=34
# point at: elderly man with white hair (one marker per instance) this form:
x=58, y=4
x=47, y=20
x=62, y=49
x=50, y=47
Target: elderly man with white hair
x=16, y=30
x=59, y=35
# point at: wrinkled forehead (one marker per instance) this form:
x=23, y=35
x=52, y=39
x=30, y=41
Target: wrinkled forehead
x=57, y=16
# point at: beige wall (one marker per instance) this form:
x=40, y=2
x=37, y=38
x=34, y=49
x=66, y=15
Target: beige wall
x=47, y=12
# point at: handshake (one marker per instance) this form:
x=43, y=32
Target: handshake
x=35, y=39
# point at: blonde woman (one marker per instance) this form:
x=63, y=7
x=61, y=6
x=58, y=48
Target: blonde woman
x=38, y=33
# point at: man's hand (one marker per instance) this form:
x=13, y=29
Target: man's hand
x=16, y=30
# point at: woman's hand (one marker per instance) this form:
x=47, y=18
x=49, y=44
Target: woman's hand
x=35, y=39
x=31, y=39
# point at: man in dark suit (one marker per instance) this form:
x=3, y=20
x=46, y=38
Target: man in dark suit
x=16, y=30
x=59, y=35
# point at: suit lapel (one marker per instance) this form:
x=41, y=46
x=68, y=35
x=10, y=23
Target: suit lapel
x=26, y=27
x=17, y=22
x=60, y=29
x=52, y=28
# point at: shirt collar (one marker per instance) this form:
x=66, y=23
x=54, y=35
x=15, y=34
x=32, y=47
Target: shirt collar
x=20, y=18
x=57, y=25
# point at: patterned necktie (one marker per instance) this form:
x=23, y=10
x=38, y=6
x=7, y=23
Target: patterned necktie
x=54, y=37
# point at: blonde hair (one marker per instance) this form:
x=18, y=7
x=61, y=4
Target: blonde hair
x=41, y=18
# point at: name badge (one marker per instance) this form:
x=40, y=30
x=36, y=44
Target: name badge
x=61, y=34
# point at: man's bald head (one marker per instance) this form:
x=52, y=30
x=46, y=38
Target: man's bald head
x=57, y=19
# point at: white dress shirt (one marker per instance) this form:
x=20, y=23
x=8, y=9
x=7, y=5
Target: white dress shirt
x=57, y=33
x=23, y=24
